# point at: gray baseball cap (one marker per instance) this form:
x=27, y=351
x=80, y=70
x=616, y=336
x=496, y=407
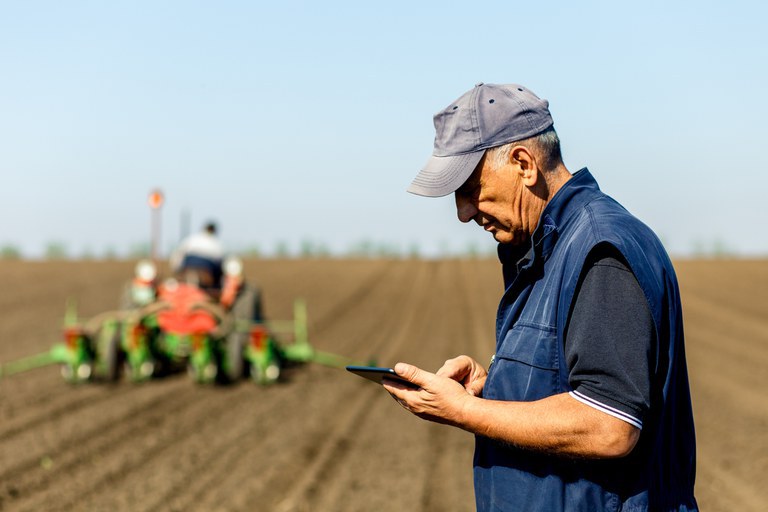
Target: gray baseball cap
x=487, y=116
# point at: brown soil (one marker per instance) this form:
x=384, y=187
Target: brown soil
x=325, y=440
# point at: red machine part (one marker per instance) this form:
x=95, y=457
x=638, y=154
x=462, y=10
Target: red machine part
x=229, y=290
x=182, y=317
x=137, y=333
x=72, y=336
x=259, y=337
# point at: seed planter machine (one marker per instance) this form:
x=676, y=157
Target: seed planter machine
x=167, y=327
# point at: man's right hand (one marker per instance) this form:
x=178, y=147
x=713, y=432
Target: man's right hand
x=467, y=372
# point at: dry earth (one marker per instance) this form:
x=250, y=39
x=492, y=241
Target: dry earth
x=325, y=440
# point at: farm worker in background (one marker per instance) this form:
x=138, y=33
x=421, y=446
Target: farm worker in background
x=586, y=404
x=202, y=253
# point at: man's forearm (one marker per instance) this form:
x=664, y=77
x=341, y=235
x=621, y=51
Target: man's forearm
x=558, y=425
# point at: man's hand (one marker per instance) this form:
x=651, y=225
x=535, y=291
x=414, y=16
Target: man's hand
x=558, y=424
x=466, y=371
x=441, y=397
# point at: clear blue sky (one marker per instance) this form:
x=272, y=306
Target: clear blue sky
x=307, y=120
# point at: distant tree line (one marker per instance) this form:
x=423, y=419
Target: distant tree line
x=57, y=250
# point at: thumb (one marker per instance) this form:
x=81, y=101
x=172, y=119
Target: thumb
x=412, y=373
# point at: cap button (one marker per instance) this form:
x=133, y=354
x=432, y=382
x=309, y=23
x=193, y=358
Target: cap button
x=479, y=84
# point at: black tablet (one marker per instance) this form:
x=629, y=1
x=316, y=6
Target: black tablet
x=376, y=374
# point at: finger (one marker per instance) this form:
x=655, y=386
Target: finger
x=395, y=388
x=475, y=388
x=456, y=368
x=398, y=384
x=400, y=401
x=413, y=374
x=398, y=392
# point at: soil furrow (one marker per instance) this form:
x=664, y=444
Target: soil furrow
x=357, y=334
x=131, y=456
x=78, y=430
x=32, y=479
x=347, y=306
x=239, y=457
x=333, y=451
x=33, y=417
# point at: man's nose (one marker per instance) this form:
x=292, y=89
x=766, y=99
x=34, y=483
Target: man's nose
x=465, y=209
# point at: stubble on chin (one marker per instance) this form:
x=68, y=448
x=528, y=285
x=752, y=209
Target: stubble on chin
x=514, y=238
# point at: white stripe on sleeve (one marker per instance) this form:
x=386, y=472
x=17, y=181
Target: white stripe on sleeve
x=607, y=409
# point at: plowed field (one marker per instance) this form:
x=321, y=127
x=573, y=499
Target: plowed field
x=324, y=440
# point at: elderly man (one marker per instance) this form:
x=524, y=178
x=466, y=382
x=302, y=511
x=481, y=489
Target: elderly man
x=586, y=404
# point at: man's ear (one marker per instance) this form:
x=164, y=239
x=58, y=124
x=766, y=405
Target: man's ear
x=525, y=165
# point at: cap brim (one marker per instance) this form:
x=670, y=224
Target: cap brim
x=442, y=175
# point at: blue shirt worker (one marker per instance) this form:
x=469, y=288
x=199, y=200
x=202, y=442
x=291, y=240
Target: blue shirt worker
x=586, y=404
x=201, y=253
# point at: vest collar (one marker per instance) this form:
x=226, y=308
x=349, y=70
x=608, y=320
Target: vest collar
x=571, y=198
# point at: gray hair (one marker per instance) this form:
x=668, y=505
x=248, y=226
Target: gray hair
x=545, y=146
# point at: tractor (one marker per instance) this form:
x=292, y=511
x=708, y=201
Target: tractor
x=218, y=334
x=164, y=327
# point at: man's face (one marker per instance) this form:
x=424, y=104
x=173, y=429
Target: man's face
x=494, y=198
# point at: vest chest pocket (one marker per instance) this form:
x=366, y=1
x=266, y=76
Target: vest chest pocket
x=526, y=365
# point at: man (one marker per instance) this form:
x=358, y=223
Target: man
x=201, y=254
x=586, y=404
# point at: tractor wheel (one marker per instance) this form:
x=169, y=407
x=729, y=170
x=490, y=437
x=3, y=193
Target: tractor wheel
x=112, y=359
x=265, y=375
x=76, y=374
x=235, y=357
x=68, y=372
x=205, y=374
x=141, y=371
x=248, y=305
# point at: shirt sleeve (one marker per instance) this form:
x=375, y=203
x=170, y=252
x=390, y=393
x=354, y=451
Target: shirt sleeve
x=610, y=339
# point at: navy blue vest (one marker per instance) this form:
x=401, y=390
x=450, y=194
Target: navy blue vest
x=529, y=364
